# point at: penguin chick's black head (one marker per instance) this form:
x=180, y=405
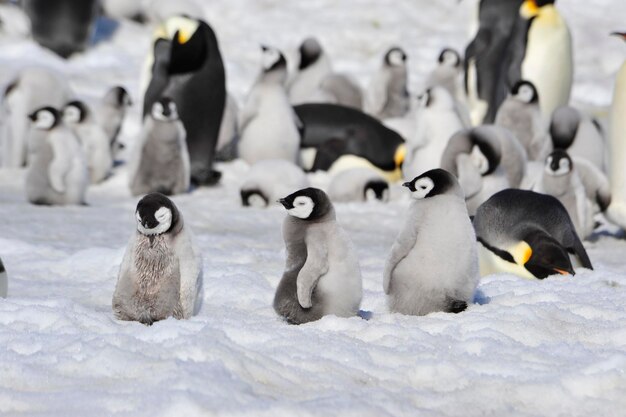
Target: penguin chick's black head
x=559, y=163
x=45, y=118
x=118, y=97
x=525, y=92
x=164, y=109
x=432, y=183
x=546, y=256
x=395, y=57
x=376, y=190
x=75, y=112
x=310, y=51
x=156, y=214
x=450, y=58
x=307, y=204
x=253, y=198
x=487, y=152
x=564, y=126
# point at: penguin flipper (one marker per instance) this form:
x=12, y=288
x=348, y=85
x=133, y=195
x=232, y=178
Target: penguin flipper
x=578, y=248
x=400, y=249
x=328, y=153
x=315, y=266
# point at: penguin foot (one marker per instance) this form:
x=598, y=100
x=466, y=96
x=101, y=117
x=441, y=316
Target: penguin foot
x=455, y=306
x=205, y=177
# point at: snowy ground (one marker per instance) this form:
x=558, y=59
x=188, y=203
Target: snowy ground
x=526, y=348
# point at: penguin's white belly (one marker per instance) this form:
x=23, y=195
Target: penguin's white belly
x=548, y=61
x=340, y=288
x=490, y=263
x=617, y=145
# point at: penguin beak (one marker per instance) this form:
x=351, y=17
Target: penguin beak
x=620, y=34
x=32, y=117
x=569, y=271
x=285, y=203
x=407, y=184
x=264, y=48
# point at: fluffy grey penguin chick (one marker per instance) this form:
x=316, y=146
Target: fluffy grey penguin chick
x=160, y=161
x=110, y=114
x=388, y=94
x=433, y=265
x=161, y=273
x=270, y=179
x=358, y=184
x=57, y=173
x=322, y=274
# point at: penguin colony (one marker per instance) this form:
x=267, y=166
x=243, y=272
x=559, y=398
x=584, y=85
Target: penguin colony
x=501, y=173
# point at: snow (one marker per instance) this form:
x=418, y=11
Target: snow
x=525, y=348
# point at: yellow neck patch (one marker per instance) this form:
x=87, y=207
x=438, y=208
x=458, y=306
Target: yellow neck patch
x=521, y=253
x=529, y=9
x=399, y=156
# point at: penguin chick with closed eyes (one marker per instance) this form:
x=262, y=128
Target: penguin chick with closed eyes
x=322, y=274
x=433, y=264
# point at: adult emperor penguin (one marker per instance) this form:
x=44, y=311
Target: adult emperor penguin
x=30, y=90
x=322, y=274
x=160, y=159
x=358, y=184
x=485, y=58
x=57, y=174
x=527, y=234
x=617, y=146
x=110, y=113
x=93, y=138
x=541, y=52
x=4, y=281
x=188, y=68
x=63, y=26
x=161, y=272
x=268, y=124
x=315, y=80
x=337, y=138
x=271, y=179
x=437, y=120
x=415, y=280
x=388, y=94
x=579, y=134
x=521, y=114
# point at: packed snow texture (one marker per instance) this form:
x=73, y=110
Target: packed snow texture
x=525, y=348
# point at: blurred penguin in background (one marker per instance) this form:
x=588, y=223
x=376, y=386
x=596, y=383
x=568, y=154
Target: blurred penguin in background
x=388, y=93
x=315, y=80
x=63, y=26
x=485, y=58
x=187, y=67
x=110, y=113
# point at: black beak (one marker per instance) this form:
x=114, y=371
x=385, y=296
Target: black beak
x=407, y=185
x=620, y=34
x=284, y=202
x=264, y=48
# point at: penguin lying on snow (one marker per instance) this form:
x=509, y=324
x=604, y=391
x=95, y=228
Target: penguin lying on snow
x=322, y=274
x=57, y=174
x=188, y=68
x=527, y=234
x=358, y=184
x=94, y=140
x=160, y=160
x=617, y=146
x=268, y=125
x=161, y=273
x=388, y=94
x=415, y=281
x=341, y=137
x=269, y=180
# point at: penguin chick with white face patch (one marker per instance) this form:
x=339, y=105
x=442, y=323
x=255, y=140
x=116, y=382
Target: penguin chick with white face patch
x=527, y=234
x=358, y=184
x=92, y=137
x=268, y=124
x=437, y=119
x=521, y=114
x=58, y=173
x=110, y=114
x=388, y=94
x=448, y=73
x=161, y=272
x=269, y=180
x=4, y=281
x=322, y=274
x=433, y=264
x=160, y=160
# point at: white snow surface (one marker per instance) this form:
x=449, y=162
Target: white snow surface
x=555, y=347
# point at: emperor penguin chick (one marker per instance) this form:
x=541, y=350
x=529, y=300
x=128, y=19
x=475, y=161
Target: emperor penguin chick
x=161, y=272
x=358, y=184
x=268, y=125
x=322, y=274
x=521, y=114
x=110, y=114
x=93, y=138
x=57, y=174
x=433, y=265
x=388, y=94
x=269, y=180
x=160, y=161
